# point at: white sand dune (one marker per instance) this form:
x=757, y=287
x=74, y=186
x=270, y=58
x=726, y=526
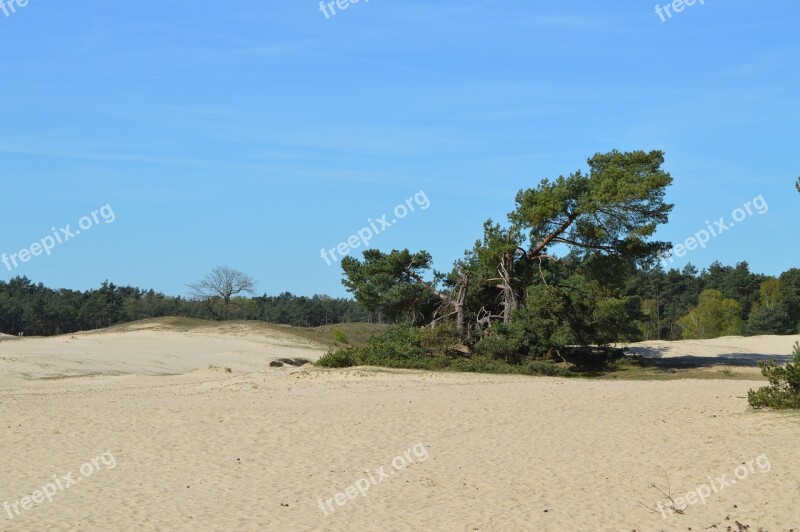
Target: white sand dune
x=144, y=349
x=257, y=449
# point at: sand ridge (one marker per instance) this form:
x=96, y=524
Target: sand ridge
x=144, y=349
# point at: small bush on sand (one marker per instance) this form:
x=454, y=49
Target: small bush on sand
x=399, y=347
x=339, y=358
x=784, y=385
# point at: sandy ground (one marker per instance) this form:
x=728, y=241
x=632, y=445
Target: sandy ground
x=270, y=448
x=734, y=350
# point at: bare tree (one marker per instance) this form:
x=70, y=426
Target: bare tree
x=219, y=286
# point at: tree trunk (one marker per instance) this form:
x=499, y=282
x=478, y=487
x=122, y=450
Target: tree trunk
x=460, y=321
x=457, y=303
x=509, y=298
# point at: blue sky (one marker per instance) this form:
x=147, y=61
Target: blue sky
x=253, y=134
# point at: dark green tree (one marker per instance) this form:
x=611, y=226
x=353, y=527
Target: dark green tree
x=790, y=285
x=769, y=315
x=393, y=285
x=613, y=209
x=605, y=220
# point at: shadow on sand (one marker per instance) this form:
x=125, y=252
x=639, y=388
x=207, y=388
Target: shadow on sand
x=655, y=356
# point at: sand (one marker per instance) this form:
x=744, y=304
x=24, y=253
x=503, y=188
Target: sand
x=149, y=348
x=745, y=351
x=263, y=448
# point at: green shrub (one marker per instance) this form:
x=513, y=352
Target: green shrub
x=409, y=348
x=500, y=346
x=340, y=336
x=483, y=364
x=398, y=347
x=495, y=346
x=784, y=385
x=429, y=349
x=341, y=358
x=545, y=367
x=512, y=342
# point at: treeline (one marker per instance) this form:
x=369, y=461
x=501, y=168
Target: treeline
x=34, y=309
x=719, y=301
x=655, y=304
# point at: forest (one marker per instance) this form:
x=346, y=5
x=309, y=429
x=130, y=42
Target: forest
x=665, y=305
x=35, y=310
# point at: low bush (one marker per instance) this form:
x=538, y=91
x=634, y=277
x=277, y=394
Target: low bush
x=339, y=358
x=784, y=385
x=340, y=336
x=430, y=349
x=482, y=364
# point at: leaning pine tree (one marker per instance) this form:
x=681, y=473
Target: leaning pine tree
x=606, y=215
x=613, y=209
x=604, y=219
